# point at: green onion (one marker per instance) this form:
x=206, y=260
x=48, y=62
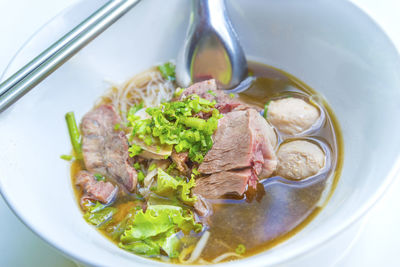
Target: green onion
x=135, y=108
x=136, y=166
x=74, y=134
x=178, y=92
x=193, y=122
x=266, y=109
x=99, y=177
x=195, y=172
x=167, y=71
x=134, y=150
x=140, y=176
x=152, y=167
x=212, y=93
x=67, y=157
x=241, y=249
x=232, y=95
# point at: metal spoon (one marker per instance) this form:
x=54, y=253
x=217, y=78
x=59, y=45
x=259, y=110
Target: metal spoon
x=211, y=48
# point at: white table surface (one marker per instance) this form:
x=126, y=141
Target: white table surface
x=377, y=245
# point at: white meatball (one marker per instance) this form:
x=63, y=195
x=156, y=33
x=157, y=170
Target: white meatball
x=299, y=159
x=292, y=115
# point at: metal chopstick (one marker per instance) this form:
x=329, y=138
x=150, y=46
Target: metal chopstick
x=54, y=56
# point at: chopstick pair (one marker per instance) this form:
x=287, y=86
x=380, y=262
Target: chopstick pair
x=58, y=53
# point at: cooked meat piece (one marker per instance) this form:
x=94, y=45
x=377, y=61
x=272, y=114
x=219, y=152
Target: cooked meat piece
x=202, y=207
x=299, y=159
x=202, y=89
x=243, y=139
x=105, y=150
x=95, y=190
x=209, y=90
x=221, y=183
x=292, y=115
x=180, y=160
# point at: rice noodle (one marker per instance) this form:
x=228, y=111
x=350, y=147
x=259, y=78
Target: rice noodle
x=198, y=249
x=148, y=86
x=226, y=255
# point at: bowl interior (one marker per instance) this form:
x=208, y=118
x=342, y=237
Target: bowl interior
x=330, y=45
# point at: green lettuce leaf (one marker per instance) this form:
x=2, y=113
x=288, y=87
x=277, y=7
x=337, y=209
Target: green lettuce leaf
x=167, y=185
x=170, y=244
x=145, y=247
x=99, y=214
x=157, y=229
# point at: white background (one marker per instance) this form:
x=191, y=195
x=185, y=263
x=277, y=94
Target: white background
x=377, y=245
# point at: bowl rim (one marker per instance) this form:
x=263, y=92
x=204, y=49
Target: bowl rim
x=305, y=249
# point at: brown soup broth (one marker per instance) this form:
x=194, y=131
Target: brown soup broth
x=280, y=207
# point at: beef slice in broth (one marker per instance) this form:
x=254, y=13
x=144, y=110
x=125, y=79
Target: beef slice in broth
x=209, y=90
x=221, y=183
x=243, y=139
x=95, y=190
x=105, y=150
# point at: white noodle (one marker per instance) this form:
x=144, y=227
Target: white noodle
x=149, y=87
x=198, y=249
x=226, y=255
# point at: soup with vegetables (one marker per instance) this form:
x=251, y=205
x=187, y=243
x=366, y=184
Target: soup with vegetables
x=199, y=175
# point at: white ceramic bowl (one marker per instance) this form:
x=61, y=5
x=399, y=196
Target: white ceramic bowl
x=331, y=45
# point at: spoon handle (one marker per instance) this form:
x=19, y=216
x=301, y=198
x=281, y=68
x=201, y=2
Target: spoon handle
x=211, y=48
x=57, y=54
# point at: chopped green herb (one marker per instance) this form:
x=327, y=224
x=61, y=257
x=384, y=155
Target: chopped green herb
x=195, y=172
x=152, y=167
x=99, y=177
x=266, y=109
x=167, y=71
x=132, y=111
x=148, y=141
x=67, y=157
x=175, y=123
x=232, y=95
x=134, y=150
x=240, y=249
x=171, y=167
x=117, y=126
x=140, y=176
x=136, y=166
x=211, y=93
x=178, y=92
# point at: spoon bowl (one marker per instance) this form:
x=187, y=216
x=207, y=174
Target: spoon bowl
x=211, y=48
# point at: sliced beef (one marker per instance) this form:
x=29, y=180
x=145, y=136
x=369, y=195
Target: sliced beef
x=243, y=139
x=209, y=90
x=221, y=183
x=202, y=207
x=105, y=150
x=180, y=160
x=95, y=190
